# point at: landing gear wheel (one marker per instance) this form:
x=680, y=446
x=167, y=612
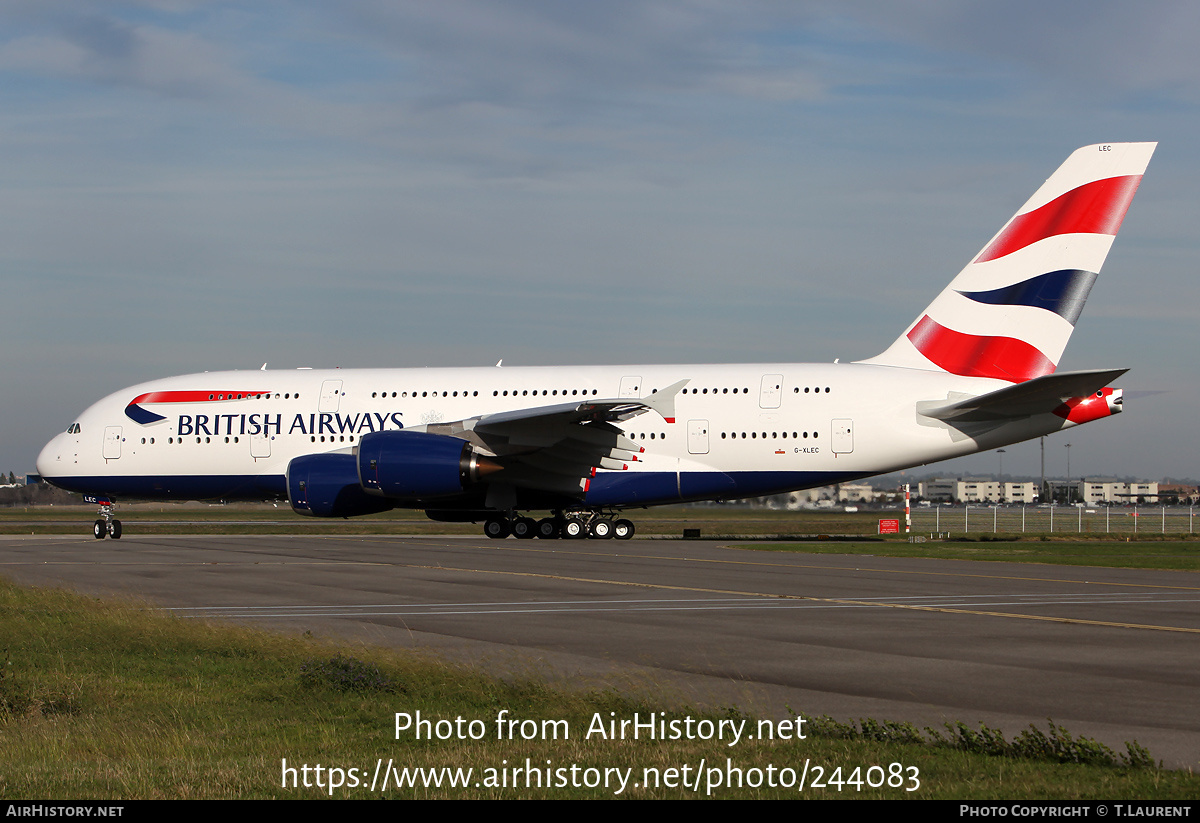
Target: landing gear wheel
x=100, y=529
x=496, y=528
x=623, y=529
x=523, y=528
x=547, y=528
x=601, y=529
x=114, y=529
x=574, y=529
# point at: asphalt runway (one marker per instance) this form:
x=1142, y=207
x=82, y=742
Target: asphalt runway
x=1108, y=653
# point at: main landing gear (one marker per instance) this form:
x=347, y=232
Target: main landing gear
x=569, y=526
x=106, y=525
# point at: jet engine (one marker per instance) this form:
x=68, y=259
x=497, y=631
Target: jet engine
x=410, y=465
x=326, y=485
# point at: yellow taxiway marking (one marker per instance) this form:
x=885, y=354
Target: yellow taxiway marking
x=808, y=598
x=834, y=600
x=742, y=562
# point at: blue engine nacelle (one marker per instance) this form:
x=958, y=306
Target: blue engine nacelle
x=410, y=465
x=326, y=485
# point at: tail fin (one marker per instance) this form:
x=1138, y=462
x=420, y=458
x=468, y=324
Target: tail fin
x=1009, y=313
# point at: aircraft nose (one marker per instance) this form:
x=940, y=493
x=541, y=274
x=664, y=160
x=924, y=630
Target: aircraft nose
x=49, y=460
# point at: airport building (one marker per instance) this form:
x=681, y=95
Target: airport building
x=828, y=496
x=978, y=490
x=1093, y=491
x=986, y=491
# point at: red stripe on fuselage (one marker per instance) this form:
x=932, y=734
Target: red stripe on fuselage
x=1004, y=358
x=1093, y=208
x=191, y=396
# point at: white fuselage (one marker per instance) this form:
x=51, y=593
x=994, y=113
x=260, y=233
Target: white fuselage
x=769, y=428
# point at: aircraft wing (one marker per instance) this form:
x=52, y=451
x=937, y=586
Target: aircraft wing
x=1041, y=395
x=559, y=447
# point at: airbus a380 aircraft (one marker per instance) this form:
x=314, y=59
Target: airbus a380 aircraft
x=975, y=371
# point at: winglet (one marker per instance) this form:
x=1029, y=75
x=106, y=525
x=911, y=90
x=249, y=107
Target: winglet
x=663, y=401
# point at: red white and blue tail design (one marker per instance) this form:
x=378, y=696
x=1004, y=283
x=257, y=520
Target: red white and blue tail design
x=1009, y=314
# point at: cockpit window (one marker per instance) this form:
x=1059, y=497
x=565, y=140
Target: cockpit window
x=73, y=428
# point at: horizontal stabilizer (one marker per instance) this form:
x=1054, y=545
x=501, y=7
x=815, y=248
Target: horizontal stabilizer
x=1042, y=395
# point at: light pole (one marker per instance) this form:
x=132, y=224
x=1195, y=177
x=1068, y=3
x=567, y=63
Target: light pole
x=1000, y=455
x=1042, y=488
x=1068, y=448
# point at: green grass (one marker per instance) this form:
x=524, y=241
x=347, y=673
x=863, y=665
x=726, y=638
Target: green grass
x=110, y=700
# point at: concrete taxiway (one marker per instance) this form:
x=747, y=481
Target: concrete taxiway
x=1108, y=653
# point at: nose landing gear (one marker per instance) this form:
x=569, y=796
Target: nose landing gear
x=106, y=525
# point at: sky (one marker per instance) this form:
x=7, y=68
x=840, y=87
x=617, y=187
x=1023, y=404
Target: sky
x=191, y=186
